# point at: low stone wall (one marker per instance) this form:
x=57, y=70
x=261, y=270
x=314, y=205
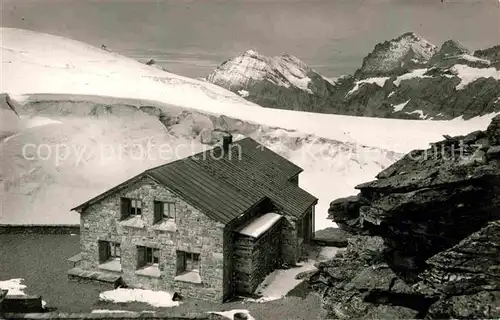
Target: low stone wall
x=21, y=303
x=39, y=228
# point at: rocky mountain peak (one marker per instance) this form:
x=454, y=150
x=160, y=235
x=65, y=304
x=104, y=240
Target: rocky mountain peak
x=252, y=54
x=273, y=82
x=454, y=47
x=492, y=54
x=406, y=77
x=396, y=56
x=453, y=52
x=250, y=67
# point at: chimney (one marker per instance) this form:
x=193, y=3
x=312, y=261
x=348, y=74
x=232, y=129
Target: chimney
x=226, y=142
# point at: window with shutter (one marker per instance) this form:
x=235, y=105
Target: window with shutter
x=141, y=257
x=158, y=211
x=181, y=263
x=104, y=251
x=125, y=208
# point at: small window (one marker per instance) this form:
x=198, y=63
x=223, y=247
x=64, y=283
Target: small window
x=136, y=207
x=108, y=251
x=188, y=261
x=164, y=211
x=147, y=256
x=130, y=208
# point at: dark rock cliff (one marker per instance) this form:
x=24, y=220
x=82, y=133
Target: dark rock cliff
x=397, y=56
x=425, y=237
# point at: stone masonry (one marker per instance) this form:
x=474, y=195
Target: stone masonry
x=192, y=232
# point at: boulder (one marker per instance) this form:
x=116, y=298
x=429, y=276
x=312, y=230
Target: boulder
x=177, y=297
x=240, y=316
x=493, y=131
x=471, y=266
x=345, y=213
x=481, y=305
x=390, y=312
x=335, y=237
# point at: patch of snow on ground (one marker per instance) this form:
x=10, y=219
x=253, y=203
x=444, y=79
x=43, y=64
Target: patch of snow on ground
x=277, y=284
x=419, y=112
x=471, y=58
x=15, y=288
x=155, y=298
x=260, y=225
x=400, y=106
x=379, y=81
x=243, y=93
x=280, y=282
x=469, y=74
x=328, y=253
x=230, y=314
x=417, y=73
x=110, y=311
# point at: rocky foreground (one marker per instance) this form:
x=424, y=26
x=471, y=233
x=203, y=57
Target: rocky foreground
x=406, y=77
x=425, y=237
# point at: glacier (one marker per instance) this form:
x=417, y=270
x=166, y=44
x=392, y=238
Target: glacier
x=72, y=94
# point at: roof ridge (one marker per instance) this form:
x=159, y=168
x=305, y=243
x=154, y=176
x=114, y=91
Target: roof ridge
x=193, y=155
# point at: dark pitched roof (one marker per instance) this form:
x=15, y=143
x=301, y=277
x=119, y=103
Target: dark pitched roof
x=226, y=185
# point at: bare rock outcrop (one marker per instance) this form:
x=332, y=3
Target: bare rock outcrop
x=492, y=54
x=453, y=52
x=433, y=218
x=397, y=56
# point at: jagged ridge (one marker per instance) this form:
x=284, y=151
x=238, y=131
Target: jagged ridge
x=406, y=77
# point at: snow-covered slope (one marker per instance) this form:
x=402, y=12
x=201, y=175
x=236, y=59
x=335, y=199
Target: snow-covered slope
x=337, y=152
x=74, y=147
x=10, y=123
x=41, y=63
